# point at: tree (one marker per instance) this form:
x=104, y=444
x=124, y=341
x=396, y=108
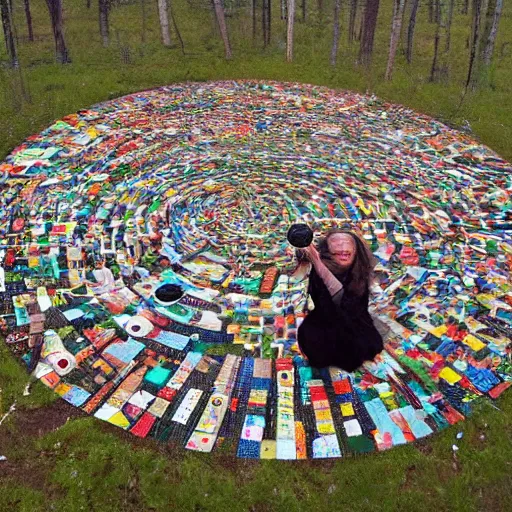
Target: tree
x=396, y=28
x=369, y=25
x=221, y=21
x=104, y=10
x=289, y=31
x=7, y=24
x=266, y=20
x=352, y=20
x=164, y=22
x=478, y=9
x=336, y=32
x=482, y=69
x=55, y=10
x=28, y=16
x=410, y=30
x=439, y=69
x=451, y=8
x=493, y=20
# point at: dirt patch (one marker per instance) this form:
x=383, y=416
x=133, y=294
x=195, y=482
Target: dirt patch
x=28, y=425
x=41, y=421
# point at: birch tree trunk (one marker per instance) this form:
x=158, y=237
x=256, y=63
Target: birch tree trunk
x=410, y=30
x=104, y=7
x=439, y=69
x=7, y=24
x=479, y=8
x=164, y=22
x=266, y=21
x=368, y=31
x=396, y=28
x=289, y=31
x=55, y=9
x=451, y=8
x=352, y=21
x=28, y=16
x=336, y=32
x=488, y=41
x=493, y=20
x=221, y=21
x=269, y=20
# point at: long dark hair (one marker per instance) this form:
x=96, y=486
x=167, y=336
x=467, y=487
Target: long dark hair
x=360, y=273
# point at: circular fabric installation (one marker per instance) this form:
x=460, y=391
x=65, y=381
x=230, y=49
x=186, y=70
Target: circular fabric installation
x=144, y=236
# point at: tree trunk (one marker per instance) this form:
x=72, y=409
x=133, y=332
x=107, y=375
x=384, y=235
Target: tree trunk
x=7, y=24
x=451, y=8
x=479, y=8
x=55, y=9
x=493, y=21
x=88, y=4
x=396, y=28
x=352, y=21
x=177, y=30
x=221, y=21
x=336, y=32
x=28, y=15
x=283, y=9
x=303, y=11
x=368, y=31
x=164, y=22
x=104, y=7
x=410, y=30
x=487, y=42
x=269, y=20
x=439, y=69
x=289, y=32
x=431, y=11
x=465, y=7
x=264, y=21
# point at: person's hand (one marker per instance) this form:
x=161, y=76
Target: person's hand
x=311, y=253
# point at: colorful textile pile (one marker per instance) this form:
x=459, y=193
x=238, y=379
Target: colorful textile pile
x=146, y=277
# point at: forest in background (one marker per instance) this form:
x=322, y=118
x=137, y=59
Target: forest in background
x=448, y=58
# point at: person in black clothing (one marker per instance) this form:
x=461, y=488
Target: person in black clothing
x=339, y=331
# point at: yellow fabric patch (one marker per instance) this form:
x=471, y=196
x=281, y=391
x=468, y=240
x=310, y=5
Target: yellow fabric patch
x=323, y=415
x=473, y=342
x=119, y=420
x=449, y=375
x=439, y=331
x=347, y=409
x=62, y=389
x=326, y=428
x=268, y=449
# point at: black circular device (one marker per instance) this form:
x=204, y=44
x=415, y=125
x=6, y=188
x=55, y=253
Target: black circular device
x=168, y=293
x=300, y=235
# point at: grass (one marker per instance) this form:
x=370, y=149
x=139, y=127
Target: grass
x=84, y=464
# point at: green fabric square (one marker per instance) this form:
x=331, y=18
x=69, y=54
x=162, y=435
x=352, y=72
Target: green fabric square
x=360, y=444
x=158, y=376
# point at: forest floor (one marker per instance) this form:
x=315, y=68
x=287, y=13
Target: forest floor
x=60, y=459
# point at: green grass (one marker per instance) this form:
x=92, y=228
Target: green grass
x=88, y=465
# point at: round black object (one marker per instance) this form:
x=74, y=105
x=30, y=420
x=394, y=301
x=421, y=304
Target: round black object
x=168, y=293
x=300, y=235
